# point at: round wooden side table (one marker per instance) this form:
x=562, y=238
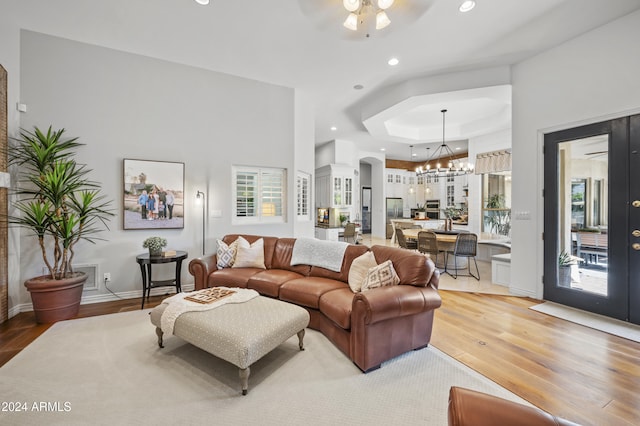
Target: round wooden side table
x=145, y=261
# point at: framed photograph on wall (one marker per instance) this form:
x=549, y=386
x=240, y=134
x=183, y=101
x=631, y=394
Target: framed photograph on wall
x=153, y=194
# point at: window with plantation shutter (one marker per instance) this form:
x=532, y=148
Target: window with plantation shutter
x=246, y=188
x=303, y=188
x=259, y=194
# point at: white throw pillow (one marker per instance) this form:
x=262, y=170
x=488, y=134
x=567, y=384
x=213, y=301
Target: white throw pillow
x=226, y=254
x=359, y=269
x=381, y=276
x=249, y=255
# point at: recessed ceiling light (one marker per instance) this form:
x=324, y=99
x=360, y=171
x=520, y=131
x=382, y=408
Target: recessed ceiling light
x=414, y=155
x=358, y=87
x=466, y=6
x=203, y=2
x=458, y=149
x=334, y=128
x=382, y=149
x=393, y=62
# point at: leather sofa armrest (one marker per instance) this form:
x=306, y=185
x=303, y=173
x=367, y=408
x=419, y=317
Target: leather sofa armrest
x=435, y=277
x=384, y=303
x=467, y=407
x=201, y=267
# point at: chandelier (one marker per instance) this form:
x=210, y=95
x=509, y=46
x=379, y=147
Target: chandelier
x=359, y=8
x=443, y=153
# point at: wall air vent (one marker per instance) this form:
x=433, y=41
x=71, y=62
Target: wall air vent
x=91, y=269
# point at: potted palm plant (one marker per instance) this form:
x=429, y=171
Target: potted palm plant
x=60, y=206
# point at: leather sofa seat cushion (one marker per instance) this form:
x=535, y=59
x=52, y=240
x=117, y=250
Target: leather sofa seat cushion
x=269, y=245
x=282, y=257
x=232, y=277
x=268, y=282
x=350, y=254
x=411, y=267
x=307, y=291
x=336, y=305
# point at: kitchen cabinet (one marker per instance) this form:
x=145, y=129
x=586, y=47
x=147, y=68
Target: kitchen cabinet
x=323, y=191
x=329, y=234
x=342, y=193
x=334, y=186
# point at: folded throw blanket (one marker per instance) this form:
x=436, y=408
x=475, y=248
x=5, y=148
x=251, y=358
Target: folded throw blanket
x=325, y=254
x=178, y=305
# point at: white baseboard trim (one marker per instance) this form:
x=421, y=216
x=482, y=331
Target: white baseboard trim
x=15, y=310
x=135, y=294
x=99, y=298
x=521, y=292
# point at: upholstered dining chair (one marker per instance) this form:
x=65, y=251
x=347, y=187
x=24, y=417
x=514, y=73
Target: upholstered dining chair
x=404, y=242
x=428, y=244
x=349, y=235
x=466, y=245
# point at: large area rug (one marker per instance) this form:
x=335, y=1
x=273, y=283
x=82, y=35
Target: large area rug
x=110, y=370
x=588, y=319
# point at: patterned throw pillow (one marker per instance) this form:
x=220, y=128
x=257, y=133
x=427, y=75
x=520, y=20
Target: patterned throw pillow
x=226, y=254
x=381, y=276
x=249, y=255
x=359, y=269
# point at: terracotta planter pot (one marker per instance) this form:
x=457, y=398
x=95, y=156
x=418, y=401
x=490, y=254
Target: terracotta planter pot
x=56, y=300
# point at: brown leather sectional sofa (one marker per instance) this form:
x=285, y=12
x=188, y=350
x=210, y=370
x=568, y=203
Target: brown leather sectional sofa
x=370, y=327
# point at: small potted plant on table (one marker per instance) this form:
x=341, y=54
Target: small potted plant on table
x=155, y=245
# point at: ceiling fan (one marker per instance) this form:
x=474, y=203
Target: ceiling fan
x=330, y=15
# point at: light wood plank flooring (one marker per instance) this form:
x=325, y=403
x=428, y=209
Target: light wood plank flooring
x=572, y=371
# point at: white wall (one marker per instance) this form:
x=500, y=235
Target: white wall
x=588, y=79
x=325, y=154
x=123, y=105
x=304, y=159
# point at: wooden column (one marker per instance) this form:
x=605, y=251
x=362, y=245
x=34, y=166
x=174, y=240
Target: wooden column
x=4, y=273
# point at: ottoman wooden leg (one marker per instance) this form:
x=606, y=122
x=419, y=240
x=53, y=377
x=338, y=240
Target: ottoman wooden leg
x=300, y=339
x=244, y=379
x=159, y=333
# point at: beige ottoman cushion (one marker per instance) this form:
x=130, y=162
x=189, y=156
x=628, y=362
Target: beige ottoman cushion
x=240, y=333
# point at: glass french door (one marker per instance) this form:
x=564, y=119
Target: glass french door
x=592, y=218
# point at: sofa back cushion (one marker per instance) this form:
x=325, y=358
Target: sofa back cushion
x=413, y=268
x=282, y=257
x=352, y=252
x=269, y=245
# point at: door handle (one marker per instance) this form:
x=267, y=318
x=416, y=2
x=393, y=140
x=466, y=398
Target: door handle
x=635, y=246
x=636, y=203
x=636, y=233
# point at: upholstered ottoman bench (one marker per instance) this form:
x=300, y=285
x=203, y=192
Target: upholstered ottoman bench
x=239, y=333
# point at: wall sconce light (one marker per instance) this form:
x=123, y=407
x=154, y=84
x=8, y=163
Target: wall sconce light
x=200, y=200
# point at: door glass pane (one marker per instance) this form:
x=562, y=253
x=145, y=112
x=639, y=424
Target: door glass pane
x=582, y=211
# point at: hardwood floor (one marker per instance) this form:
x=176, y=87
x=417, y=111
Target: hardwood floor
x=572, y=371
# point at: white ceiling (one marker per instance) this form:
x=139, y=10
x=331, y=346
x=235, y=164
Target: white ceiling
x=302, y=44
